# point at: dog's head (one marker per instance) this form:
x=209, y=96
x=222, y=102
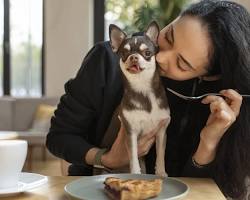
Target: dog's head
x=137, y=53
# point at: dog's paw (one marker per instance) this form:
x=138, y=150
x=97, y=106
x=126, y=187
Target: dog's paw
x=161, y=173
x=136, y=171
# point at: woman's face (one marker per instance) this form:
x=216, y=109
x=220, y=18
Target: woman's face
x=184, y=49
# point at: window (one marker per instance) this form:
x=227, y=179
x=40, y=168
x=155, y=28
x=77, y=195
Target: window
x=23, y=76
x=26, y=47
x=1, y=47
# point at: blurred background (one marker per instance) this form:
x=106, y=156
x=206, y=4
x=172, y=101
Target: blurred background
x=42, y=45
x=41, y=37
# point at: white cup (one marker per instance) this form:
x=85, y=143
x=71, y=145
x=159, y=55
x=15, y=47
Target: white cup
x=12, y=157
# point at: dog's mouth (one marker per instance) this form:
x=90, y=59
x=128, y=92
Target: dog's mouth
x=134, y=69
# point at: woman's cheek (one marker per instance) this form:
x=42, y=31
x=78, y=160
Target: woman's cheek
x=160, y=58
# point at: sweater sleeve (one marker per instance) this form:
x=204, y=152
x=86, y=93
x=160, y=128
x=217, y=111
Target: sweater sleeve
x=77, y=111
x=191, y=170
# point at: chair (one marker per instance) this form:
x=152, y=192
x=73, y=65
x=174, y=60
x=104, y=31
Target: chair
x=17, y=115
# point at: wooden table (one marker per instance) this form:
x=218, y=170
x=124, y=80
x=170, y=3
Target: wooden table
x=54, y=190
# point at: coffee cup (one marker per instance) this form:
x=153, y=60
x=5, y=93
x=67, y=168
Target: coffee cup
x=12, y=157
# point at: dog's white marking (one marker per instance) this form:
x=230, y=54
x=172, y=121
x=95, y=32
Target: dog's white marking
x=139, y=82
x=136, y=104
x=143, y=47
x=135, y=40
x=144, y=122
x=127, y=46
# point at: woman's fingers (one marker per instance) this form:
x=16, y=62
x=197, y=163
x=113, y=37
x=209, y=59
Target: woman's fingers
x=218, y=104
x=122, y=134
x=223, y=111
x=144, y=149
x=234, y=100
x=147, y=136
x=147, y=139
x=209, y=99
x=223, y=114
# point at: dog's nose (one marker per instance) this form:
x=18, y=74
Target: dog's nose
x=133, y=58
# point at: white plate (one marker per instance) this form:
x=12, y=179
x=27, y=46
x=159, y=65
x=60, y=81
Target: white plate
x=27, y=181
x=92, y=187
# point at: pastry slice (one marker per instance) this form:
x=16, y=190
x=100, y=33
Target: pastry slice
x=132, y=189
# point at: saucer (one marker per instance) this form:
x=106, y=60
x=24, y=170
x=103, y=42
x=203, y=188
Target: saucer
x=27, y=181
x=8, y=135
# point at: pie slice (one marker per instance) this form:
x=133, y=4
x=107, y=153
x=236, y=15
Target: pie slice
x=132, y=189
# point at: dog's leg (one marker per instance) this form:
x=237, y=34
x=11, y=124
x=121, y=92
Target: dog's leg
x=134, y=161
x=142, y=165
x=161, y=139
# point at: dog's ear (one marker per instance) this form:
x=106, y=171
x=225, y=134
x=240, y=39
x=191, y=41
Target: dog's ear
x=116, y=36
x=152, y=31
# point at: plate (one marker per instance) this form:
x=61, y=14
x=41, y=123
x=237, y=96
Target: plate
x=92, y=187
x=27, y=181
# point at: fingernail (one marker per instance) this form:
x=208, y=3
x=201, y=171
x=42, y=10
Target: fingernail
x=203, y=101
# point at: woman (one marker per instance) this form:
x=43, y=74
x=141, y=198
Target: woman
x=206, y=49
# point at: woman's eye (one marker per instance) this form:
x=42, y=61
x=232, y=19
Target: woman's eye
x=182, y=67
x=147, y=53
x=167, y=33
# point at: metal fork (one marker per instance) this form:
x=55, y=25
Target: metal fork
x=190, y=98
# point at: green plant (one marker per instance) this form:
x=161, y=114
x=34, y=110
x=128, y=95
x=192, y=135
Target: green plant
x=164, y=12
x=135, y=15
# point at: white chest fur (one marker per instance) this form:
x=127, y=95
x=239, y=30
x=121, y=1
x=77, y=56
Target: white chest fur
x=142, y=121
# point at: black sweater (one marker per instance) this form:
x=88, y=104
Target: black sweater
x=85, y=110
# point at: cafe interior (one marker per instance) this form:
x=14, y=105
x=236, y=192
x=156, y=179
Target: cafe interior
x=43, y=44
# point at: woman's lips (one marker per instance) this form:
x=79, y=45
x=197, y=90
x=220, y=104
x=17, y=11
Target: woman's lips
x=162, y=73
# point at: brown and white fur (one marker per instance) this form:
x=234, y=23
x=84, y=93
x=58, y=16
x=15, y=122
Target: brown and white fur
x=144, y=103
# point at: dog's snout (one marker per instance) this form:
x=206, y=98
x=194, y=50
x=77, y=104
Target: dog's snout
x=133, y=58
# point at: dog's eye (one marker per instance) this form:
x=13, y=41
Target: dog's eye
x=147, y=53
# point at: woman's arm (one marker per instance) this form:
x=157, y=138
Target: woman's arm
x=223, y=114
x=118, y=155
x=77, y=113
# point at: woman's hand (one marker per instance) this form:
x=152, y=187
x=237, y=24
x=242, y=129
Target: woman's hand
x=118, y=155
x=223, y=114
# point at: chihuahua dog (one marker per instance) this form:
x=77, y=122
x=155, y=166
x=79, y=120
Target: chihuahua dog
x=144, y=103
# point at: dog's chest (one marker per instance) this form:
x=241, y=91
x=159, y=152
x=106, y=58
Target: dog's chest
x=143, y=121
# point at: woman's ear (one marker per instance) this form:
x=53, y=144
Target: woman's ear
x=116, y=36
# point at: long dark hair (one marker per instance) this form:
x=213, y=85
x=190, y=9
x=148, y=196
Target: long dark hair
x=228, y=26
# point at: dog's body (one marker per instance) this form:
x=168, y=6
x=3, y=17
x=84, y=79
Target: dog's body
x=144, y=102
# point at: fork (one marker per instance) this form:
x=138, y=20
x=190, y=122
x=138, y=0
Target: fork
x=190, y=98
